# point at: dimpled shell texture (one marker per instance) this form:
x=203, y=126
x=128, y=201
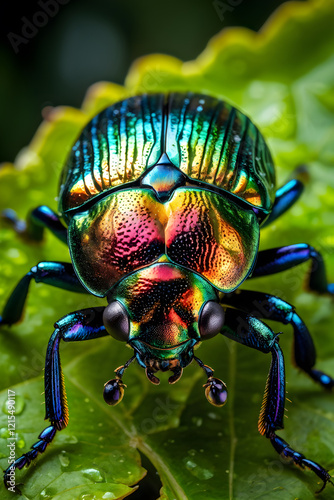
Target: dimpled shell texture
x=207, y=139
x=130, y=229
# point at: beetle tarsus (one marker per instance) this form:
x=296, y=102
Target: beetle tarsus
x=323, y=379
x=38, y=219
x=286, y=452
x=10, y=217
x=3, y=322
x=45, y=438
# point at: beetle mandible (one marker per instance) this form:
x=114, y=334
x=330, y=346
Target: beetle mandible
x=161, y=202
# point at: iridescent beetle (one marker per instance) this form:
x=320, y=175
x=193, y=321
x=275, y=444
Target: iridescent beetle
x=162, y=199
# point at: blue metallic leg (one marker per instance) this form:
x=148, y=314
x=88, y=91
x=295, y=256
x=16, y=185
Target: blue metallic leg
x=248, y=330
x=286, y=196
x=252, y=332
x=86, y=324
x=271, y=418
x=279, y=259
x=58, y=274
x=40, y=218
x=266, y=306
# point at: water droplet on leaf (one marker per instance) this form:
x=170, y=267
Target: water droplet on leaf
x=20, y=442
x=93, y=474
x=13, y=405
x=64, y=460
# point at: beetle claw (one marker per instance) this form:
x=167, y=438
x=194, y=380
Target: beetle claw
x=177, y=373
x=150, y=375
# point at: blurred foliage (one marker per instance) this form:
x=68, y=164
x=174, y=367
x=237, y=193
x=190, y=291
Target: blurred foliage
x=283, y=78
x=86, y=42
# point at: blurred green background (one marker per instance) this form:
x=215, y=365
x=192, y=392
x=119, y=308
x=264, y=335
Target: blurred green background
x=86, y=41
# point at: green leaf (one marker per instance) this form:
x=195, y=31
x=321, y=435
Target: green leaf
x=283, y=77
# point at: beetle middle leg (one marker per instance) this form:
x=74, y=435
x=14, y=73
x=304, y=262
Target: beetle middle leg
x=266, y=306
x=37, y=220
x=279, y=259
x=250, y=331
x=58, y=274
x=86, y=324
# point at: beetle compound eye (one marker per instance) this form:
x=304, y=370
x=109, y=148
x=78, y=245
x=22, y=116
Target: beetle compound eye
x=216, y=391
x=113, y=391
x=116, y=321
x=211, y=320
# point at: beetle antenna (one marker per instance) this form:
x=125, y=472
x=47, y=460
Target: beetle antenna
x=215, y=389
x=113, y=391
x=208, y=371
x=121, y=369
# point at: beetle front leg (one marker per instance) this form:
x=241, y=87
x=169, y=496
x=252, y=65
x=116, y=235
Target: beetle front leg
x=86, y=324
x=252, y=332
x=58, y=274
x=266, y=306
x=286, y=196
x=279, y=259
x=37, y=220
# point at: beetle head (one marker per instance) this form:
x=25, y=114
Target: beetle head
x=162, y=312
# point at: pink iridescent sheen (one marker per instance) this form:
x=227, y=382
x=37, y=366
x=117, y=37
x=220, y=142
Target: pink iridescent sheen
x=131, y=229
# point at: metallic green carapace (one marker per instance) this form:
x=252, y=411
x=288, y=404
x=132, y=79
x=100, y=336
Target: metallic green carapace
x=206, y=139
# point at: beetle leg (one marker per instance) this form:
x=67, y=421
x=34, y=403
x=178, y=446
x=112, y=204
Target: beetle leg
x=279, y=259
x=58, y=274
x=271, y=418
x=37, y=220
x=285, y=197
x=250, y=331
x=266, y=306
x=86, y=324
